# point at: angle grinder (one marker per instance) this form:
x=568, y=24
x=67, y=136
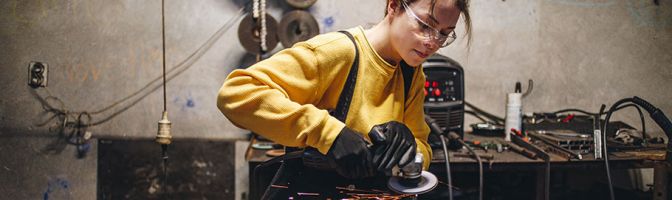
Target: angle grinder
x=411, y=179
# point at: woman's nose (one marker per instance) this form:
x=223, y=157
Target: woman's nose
x=431, y=45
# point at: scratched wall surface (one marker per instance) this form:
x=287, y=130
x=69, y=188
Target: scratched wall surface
x=580, y=53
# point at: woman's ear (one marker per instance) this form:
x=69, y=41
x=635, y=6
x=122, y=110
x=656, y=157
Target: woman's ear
x=392, y=7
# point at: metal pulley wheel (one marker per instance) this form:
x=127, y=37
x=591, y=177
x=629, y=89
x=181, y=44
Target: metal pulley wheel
x=301, y=4
x=297, y=26
x=249, y=34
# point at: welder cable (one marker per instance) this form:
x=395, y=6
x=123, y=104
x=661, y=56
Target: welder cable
x=641, y=117
x=605, y=154
x=480, y=169
x=448, y=177
x=484, y=113
x=472, y=113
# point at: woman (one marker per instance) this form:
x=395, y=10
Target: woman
x=287, y=97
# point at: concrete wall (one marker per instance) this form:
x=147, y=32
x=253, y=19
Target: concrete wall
x=579, y=53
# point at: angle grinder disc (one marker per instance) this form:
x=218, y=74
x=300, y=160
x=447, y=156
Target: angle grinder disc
x=426, y=183
x=249, y=34
x=301, y=4
x=297, y=26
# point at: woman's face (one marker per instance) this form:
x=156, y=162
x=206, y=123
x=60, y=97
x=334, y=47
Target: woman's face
x=412, y=39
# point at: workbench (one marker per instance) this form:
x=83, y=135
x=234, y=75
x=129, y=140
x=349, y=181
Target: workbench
x=509, y=162
x=513, y=162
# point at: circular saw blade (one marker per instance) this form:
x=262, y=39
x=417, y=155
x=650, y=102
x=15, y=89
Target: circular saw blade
x=297, y=26
x=301, y=4
x=249, y=34
x=427, y=183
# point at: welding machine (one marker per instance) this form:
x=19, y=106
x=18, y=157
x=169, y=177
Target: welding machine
x=444, y=97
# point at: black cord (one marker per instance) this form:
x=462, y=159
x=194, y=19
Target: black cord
x=574, y=110
x=604, y=150
x=163, y=45
x=181, y=67
x=480, y=168
x=472, y=113
x=484, y=113
x=448, y=177
x=641, y=117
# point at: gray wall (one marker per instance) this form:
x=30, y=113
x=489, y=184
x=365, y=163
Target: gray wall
x=579, y=53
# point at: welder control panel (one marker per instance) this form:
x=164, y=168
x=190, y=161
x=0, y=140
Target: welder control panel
x=442, y=85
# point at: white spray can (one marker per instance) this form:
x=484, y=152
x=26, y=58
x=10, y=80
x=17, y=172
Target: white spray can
x=514, y=114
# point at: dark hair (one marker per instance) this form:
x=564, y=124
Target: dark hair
x=462, y=5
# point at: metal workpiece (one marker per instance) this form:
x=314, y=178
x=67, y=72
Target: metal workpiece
x=552, y=147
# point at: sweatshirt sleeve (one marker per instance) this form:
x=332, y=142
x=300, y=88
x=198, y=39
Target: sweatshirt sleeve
x=414, y=117
x=274, y=98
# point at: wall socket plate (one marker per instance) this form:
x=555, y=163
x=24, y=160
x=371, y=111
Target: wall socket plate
x=37, y=74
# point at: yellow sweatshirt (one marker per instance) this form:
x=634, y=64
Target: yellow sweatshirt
x=286, y=97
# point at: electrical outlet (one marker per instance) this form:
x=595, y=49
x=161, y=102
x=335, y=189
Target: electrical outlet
x=37, y=74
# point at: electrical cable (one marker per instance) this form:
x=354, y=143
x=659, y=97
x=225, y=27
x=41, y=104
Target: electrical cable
x=193, y=57
x=447, y=158
x=605, y=154
x=641, y=117
x=472, y=113
x=574, y=110
x=163, y=52
x=480, y=167
x=484, y=113
x=164, y=147
x=180, y=68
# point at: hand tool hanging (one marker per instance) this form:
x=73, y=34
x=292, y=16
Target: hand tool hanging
x=257, y=31
x=163, y=137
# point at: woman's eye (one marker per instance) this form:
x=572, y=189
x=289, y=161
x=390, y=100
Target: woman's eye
x=424, y=26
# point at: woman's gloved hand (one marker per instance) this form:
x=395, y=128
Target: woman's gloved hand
x=393, y=145
x=350, y=155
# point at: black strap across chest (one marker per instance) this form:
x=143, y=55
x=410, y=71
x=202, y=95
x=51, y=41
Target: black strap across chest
x=343, y=105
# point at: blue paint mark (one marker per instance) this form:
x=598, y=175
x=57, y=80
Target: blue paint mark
x=190, y=103
x=328, y=22
x=54, y=185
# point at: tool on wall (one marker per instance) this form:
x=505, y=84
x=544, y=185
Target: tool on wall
x=296, y=26
x=163, y=136
x=300, y=4
x=251, y=37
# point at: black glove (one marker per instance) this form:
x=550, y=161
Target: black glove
x=393, y=145
x=350, y=156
